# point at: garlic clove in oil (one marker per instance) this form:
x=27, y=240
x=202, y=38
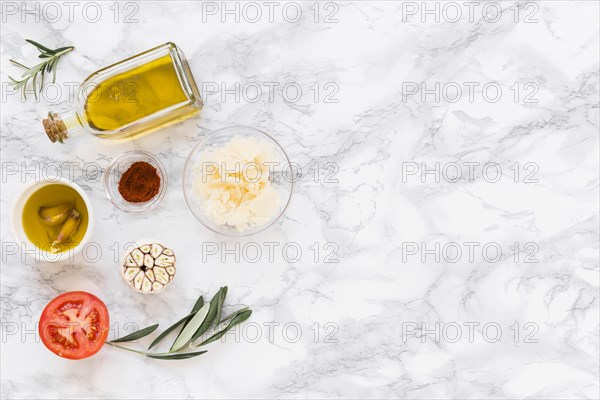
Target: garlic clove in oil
x=55, y=215
x=149, y=268
x=68, y=229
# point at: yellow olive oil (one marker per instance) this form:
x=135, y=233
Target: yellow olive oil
x=131, y=98
x=134, y=94
x=40, y=233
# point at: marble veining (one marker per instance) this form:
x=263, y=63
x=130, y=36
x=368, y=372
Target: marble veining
x=446, y=216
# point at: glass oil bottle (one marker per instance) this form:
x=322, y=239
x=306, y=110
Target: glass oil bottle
x=131, y=98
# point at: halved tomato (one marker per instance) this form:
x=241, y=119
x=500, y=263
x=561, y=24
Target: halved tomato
x=74, y=325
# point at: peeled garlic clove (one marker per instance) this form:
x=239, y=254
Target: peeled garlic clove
x=150, y=275
x=171, y=271
x=164, y=260
x=161, y=275
x=148, y=261
x=138, y=257
x=146, y=285
x=137, y=281
x=156, y=249
x=55, y=215
x=130, y=273
x=130, y=262
x=69, y=227
x=149, y=267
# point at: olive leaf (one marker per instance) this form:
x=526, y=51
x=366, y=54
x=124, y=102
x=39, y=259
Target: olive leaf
x=233, y=314
x=188, y=332
x=185, y=320
x=237, y=319
x=215, y=302
x=170, y=329
x=179, y=356
x=198, y=305
x=136, y=335
x=220, y=300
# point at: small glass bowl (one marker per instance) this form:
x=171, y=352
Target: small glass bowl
x=279, y=180
x=117, y=168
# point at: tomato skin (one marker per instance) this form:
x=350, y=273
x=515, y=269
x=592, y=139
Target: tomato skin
x=74, y=325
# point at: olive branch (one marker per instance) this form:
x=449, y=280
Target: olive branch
x=195, y=325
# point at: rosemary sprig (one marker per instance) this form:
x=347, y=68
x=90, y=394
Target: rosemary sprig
x=195, y=325
x=48, y=65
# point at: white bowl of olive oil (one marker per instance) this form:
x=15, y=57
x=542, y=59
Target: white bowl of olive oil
x=52, y=220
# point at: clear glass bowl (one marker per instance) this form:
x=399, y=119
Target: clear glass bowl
x=115, y=170
x=280, y=178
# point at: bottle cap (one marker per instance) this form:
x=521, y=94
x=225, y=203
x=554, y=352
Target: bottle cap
x=55, y=128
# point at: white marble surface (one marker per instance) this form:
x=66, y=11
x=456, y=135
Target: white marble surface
x=378, y=291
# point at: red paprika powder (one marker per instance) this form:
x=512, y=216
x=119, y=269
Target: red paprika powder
x=140, y=183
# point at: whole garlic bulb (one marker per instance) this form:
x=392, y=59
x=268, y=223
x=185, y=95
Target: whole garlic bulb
x=148, y=268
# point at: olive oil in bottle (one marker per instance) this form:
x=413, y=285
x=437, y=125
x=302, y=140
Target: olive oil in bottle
x=133, y=97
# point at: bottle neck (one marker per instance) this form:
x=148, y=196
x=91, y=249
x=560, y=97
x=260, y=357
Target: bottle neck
x=61, y=127
x=72, y=123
